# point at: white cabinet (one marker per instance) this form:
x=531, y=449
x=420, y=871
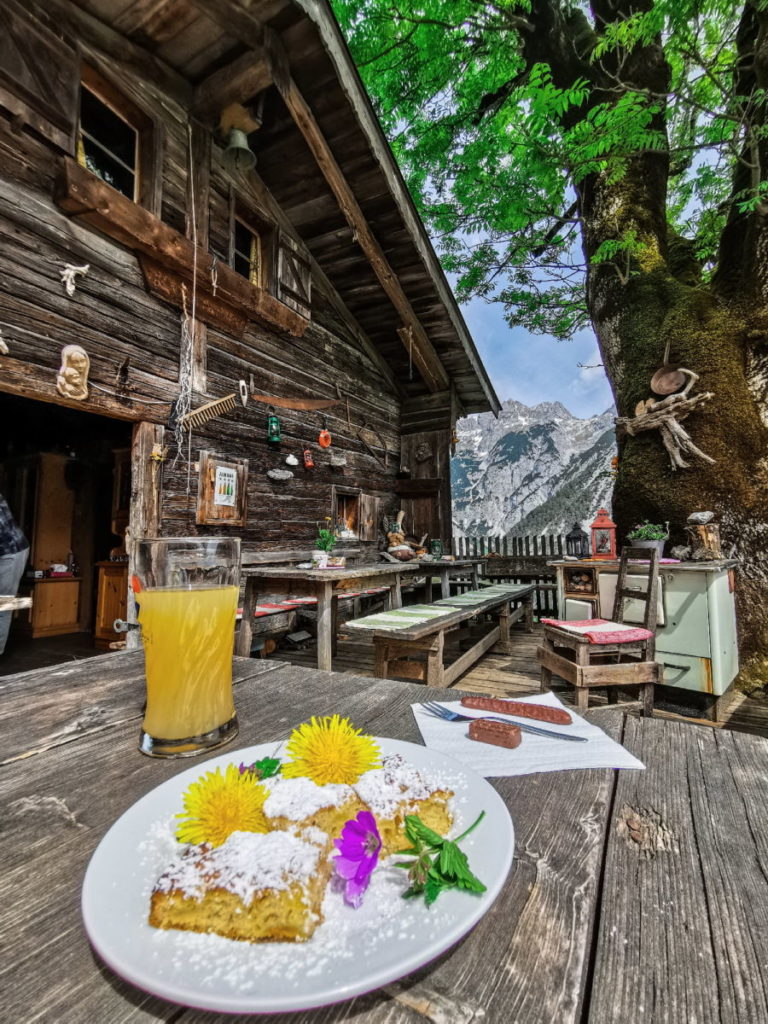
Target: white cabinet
x=696, y=634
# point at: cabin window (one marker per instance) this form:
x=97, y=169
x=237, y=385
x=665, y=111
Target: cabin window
x=116, y=140
x=107, y=145
x=251, y=247
x=346, y=512
x=247, y=252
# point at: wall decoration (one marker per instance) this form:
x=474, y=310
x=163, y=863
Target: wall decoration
x=279, y=474
x=4, y=350
x=273, y=426
x=423, y=452
x=243, y=388
x=666, y=416
x=225, y=486
x=309, y=462
x=324, y=437
x=338, y=460
x=291, y=460
x=68, y=275
x=72, y=378
x=200, y=416
x=221, y=491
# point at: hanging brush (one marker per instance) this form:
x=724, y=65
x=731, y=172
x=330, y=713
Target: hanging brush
x=199, y=417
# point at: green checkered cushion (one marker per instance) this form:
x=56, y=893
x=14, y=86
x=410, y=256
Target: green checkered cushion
x=398, y=618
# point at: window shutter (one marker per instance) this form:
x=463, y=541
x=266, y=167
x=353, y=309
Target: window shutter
x=369, y=517
x=294, y=275
x=39, y=74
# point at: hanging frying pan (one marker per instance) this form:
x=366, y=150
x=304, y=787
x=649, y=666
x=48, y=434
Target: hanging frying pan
x=668, y=378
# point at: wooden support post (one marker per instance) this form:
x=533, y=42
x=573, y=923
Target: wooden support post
x=395, y=593
x=435, y=661
x=546, y=671
x=145, y=506
x=325, y=627
x=381, y=657
x=445, y=583
x=245, y=633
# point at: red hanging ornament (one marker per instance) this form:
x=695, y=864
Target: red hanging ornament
x=309, y=462
x=324, y=438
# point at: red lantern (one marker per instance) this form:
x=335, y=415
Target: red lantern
x=309, y=462
x=603, y=536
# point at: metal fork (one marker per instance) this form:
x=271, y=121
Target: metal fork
x=440, y=711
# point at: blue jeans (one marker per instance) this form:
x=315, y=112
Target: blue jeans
x=11, y=571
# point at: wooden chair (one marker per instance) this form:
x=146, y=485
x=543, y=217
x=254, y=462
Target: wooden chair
x=597, y=655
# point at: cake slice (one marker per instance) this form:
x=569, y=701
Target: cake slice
x=397, y=789
x=301, y=803
x=257, y=887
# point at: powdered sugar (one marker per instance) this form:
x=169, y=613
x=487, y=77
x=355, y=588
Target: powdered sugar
x=296, y=799
x=246, y=863
x=385, y=789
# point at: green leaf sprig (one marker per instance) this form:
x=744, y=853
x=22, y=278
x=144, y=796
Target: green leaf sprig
x=437, y=863
x=266, y=767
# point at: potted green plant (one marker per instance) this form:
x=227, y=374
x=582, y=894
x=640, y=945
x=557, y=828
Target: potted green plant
x=649, y=535
x=325, y=541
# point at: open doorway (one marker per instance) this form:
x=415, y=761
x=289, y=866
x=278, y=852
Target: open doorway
x=66, y=476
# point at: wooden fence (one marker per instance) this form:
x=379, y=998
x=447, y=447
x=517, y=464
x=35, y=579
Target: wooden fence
x=519, y=560
x=547, y=546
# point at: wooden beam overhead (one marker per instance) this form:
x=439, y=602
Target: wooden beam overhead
x=229, y=13
x=105, y=39
x=235, y=83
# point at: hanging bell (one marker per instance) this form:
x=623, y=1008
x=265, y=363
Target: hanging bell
x=273, y=427
x=324, y=438
x=309, y=462
x=238, y=156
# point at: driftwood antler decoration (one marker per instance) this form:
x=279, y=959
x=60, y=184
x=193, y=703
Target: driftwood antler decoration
x=666, y=416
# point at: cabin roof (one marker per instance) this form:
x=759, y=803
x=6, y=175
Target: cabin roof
x=196, y=38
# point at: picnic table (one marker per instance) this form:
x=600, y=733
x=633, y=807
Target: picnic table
x=326, y=586
x=634, y=896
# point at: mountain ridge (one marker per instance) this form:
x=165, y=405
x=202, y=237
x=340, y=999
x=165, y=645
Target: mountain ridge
x=533, y=470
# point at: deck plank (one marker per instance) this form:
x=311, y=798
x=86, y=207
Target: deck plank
x=687, y=857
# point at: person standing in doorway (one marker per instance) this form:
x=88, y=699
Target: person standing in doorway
x=14, y=551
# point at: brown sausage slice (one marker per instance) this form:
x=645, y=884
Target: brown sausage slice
x=497, y=706
x=501, y=734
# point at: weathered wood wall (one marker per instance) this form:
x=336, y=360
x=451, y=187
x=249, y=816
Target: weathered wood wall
x=114, y=317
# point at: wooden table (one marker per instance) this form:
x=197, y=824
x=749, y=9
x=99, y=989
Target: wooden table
x=634, y=896
x=472, y=567
x=327, y=585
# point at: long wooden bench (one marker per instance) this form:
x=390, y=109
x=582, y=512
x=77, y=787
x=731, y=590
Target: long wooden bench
x=410, y=642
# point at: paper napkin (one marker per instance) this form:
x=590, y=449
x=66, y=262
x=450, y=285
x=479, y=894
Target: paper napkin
x=535, y=753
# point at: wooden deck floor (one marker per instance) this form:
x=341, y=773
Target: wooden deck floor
x=517, y=674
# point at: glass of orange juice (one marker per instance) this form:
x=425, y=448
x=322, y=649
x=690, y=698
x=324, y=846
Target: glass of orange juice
x=186, y=591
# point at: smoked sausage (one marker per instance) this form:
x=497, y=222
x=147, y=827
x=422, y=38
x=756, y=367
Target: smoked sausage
x=501, y=734
x=497, y=706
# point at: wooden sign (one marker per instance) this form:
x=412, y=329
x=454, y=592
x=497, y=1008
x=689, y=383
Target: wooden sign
x=222, y=491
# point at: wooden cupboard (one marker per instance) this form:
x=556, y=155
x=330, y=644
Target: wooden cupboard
x=111, y=601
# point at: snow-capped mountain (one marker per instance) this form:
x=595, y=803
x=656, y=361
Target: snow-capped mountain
x=533, y=470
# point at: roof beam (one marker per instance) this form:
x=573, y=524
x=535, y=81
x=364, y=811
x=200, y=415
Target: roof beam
x=235, y=18
x=235, y=83
x=120, y=48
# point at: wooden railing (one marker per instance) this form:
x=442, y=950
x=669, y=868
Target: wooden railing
x=545, y=547
x=519, y=560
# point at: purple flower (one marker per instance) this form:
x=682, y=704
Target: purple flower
x=358, y=854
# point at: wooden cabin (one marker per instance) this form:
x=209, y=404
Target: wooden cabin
x=197, y=204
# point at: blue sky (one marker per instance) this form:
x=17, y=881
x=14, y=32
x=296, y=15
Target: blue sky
x=534, y=368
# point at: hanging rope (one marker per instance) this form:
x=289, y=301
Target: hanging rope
x=188, y=323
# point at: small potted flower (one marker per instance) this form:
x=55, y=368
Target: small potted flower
x=324, y=544
x=649, y=535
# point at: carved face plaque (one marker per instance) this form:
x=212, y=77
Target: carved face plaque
x=72, y=378
x=423, y=452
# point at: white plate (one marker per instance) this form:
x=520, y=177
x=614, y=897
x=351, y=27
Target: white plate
x=352, y=952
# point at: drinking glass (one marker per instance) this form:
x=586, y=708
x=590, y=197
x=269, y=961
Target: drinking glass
x=186, y=590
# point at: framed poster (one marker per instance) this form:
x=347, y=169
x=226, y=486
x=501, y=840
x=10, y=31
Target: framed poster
x=222, y=497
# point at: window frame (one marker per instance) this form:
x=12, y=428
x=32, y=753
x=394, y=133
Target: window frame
x=260, y=229
x=147, y=183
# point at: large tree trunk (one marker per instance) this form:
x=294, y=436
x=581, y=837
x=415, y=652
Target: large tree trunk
x=718, y=330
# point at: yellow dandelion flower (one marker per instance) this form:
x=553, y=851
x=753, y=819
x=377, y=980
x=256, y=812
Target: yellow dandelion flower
x=217, y=805
x=330, y=750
